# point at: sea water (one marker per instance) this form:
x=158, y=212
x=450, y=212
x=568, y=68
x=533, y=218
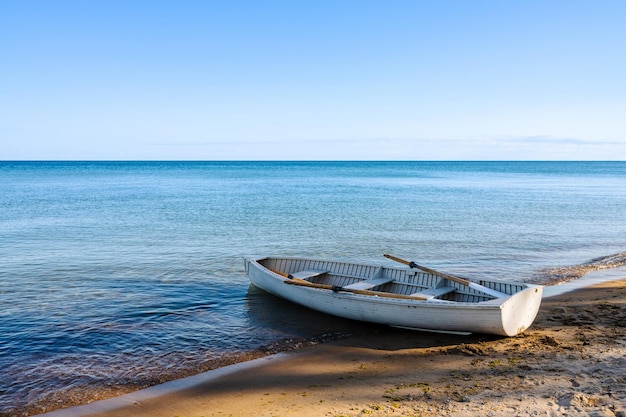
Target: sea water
x=120, y=275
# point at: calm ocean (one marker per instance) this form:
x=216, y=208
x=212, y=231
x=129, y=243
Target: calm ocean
x=118, y=275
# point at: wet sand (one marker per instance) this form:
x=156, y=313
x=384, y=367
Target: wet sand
x=572, y=361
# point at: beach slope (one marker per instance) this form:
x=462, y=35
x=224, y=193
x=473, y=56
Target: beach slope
x=571, y=362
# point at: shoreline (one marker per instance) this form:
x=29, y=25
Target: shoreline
x=571, y=360
x=595, y=277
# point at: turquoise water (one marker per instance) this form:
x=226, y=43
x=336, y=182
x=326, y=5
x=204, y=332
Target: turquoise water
x=118, y=275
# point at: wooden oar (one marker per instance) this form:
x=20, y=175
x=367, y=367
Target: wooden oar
x=459, y=280
x=297, y=281
x=300, y=281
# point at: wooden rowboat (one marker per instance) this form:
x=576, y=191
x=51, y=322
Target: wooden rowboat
x=416, y=297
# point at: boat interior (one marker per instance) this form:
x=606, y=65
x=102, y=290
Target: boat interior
x=403, y=282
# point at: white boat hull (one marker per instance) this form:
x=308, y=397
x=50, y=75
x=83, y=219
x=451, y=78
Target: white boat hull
x=507, y=316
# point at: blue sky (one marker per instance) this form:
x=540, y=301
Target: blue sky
x=321, y=80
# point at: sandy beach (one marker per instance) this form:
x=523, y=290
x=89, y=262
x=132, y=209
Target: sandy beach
x=571, y=362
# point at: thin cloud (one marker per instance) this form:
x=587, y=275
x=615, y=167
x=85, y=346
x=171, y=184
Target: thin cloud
x=554, y=140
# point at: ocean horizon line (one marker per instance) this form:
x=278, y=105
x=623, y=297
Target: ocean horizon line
x=325, y=160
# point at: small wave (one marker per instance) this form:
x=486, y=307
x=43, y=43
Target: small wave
x=560, y=275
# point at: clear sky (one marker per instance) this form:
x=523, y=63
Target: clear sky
x=318, y=79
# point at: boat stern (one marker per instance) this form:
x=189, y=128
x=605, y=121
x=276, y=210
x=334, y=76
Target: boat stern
x=520, y=310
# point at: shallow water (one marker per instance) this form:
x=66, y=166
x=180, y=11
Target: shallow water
x=121, y=275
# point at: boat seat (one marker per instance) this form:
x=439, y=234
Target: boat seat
x=312, y=273
x=368, y=283
x=433, y=292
